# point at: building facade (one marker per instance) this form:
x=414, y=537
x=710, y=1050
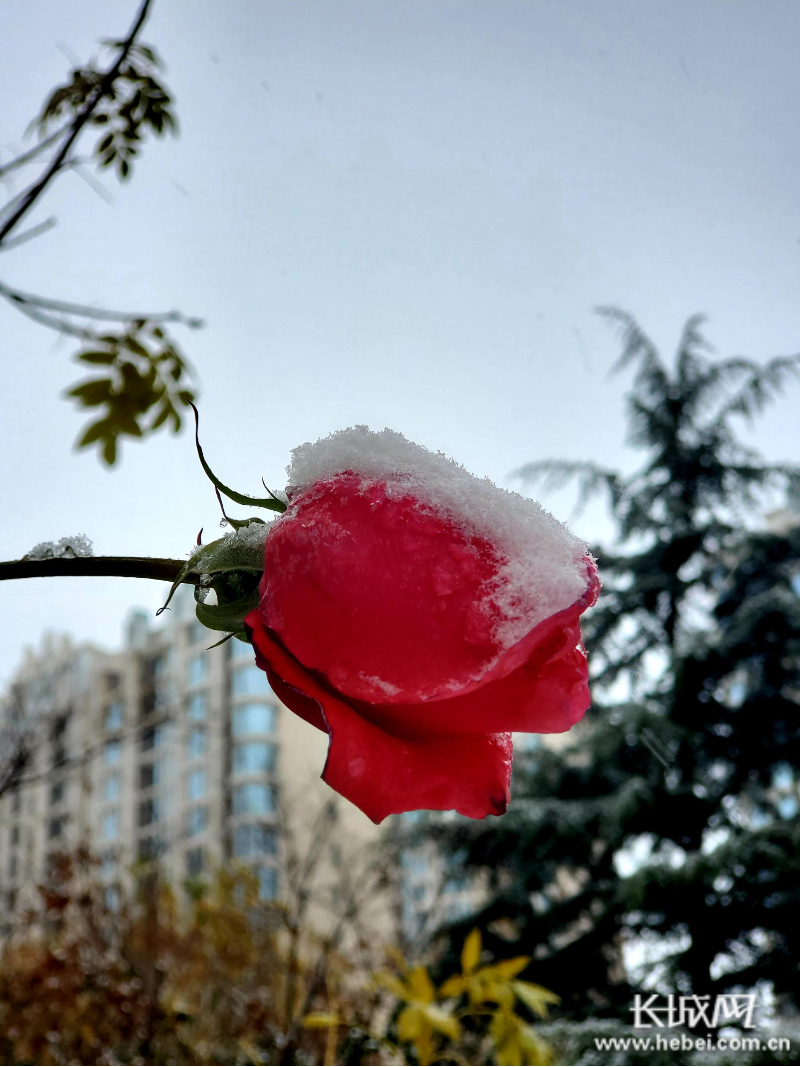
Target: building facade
x=169, y=751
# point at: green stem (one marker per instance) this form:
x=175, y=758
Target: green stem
x=160, y=570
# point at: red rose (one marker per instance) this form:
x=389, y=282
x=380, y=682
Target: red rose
x=418, y=616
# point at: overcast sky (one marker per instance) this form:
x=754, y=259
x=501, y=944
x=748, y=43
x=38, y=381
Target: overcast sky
x=399, y=213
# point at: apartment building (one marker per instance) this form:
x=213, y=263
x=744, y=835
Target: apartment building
x=170, y=751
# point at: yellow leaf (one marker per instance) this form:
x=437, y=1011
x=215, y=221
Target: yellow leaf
x=442, y=1021
x=410, y=1023
x=538, y=1052
x=500, y=992
x=320, y=1020
x=535, y=997
x=510, y=968
x=509, y=1054
x=424, y=1046
x=453, y=987
x=420, y=985
x=393, y=984
x=471, y=952
x=397, y=956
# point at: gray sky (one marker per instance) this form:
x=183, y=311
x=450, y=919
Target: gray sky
x=399, y=213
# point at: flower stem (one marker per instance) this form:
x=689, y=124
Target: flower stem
x=160, y=570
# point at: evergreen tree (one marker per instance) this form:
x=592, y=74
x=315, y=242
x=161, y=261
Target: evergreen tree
x=686, y=765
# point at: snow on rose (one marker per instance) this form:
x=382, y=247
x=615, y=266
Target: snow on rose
x=419, y=615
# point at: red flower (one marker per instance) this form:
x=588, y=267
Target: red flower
x=418, y=616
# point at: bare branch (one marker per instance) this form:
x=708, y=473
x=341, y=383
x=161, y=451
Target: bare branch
x=28, y=235
x=160, y=570
x=26, y=157
x=23, y=300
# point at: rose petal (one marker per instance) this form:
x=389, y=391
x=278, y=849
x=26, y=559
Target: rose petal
x=380, y=594
x=378, y=772
x=547, y=694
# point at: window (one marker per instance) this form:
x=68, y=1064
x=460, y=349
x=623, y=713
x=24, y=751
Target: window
x=113, y=717
x=254, y=839
x=253, y=798
x=254, y=757
x=150, y=848
x=249, y=680
x=254, y=719
x=194, y=632
x=149, y=811
x=55, y=827
x=196, y=821
x=197, y=706
x=110, y=824
x=195, y=861
x=149, y=774
x=241, y=650
x=112, y=752
x=14, y=835
x=108, y=862
x=112, y=897
x=196, y=785
x=152, y=737
x=111, y=785
x=267, y=881
x=56, y=793
x=196, y=669
x=196, y=744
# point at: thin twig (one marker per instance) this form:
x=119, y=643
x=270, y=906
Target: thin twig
x=160, y=570
x=80, y=121
x=26, y=157
x=28, y=235
x=16, y=296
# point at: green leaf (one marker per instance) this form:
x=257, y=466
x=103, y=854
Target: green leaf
x=93, y=392
x=106, y=358
x=110, y=451
x=134, y=346
x=162, y=415
x=94, y=432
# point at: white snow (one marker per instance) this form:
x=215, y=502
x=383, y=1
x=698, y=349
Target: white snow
x=65, y=548
x=542, y=573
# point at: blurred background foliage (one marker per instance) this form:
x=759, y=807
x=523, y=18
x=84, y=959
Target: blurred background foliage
x=659, y=847
x=232, y=980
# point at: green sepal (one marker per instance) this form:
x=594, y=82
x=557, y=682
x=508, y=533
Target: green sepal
x=226, y=616
x=232, y=568
x=273, y=503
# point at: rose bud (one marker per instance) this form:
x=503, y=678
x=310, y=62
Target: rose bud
x=418, y=615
